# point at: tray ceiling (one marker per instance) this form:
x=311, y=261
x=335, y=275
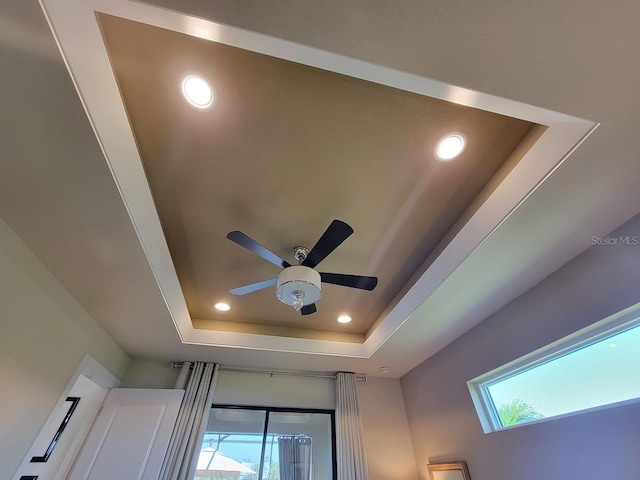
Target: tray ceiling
x=301, y=137
x=286, y=149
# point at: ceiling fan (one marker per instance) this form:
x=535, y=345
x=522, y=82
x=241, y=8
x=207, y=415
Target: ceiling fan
x=300, y=285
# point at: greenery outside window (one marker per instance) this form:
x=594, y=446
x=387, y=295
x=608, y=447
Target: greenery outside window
x=591, y=369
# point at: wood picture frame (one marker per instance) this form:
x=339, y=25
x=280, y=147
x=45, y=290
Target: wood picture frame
x=448, y=471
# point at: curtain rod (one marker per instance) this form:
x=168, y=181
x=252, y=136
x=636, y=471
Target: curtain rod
x=291, y=373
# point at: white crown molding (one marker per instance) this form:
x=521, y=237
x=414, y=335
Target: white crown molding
x=76, y=30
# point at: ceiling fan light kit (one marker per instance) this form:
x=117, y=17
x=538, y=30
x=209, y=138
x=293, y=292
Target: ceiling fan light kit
x=298, y=286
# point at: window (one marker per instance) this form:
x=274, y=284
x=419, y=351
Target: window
x=592, y=368
x=253, y=443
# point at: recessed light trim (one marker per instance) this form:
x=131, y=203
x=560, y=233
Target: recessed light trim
x=450, y=146
x=198, y=92
x=222, y=307
x=344, y=319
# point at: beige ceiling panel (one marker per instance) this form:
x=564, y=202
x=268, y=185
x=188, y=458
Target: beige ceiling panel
x=287, y=149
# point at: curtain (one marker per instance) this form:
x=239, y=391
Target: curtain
x=294, y=454
x=184, y=446
x=351, y=460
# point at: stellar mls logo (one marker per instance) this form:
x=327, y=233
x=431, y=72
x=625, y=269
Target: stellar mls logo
x=626, y=240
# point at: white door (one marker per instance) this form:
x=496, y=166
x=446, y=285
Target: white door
x=62, y=435
x=130, y=435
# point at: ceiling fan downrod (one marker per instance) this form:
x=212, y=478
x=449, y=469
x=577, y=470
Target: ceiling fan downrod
x=300, y=254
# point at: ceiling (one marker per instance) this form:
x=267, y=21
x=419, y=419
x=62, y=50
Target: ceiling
x=129, y=203
x=286, y=149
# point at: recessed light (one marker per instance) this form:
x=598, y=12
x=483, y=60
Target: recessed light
x=450, y=146
x=197, y=92
x=344, y=319
x=385, y=369
x=223, y=307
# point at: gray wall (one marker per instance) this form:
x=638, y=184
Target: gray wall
x=598, y=445
x=44, y=334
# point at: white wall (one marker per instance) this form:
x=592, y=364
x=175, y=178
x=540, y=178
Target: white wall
x=238, y=388
x=598, y=445
x=386, y=430
x=142, y=373
x=44, y=334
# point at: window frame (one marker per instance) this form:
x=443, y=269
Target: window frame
x=268, y=410
x=608, y=327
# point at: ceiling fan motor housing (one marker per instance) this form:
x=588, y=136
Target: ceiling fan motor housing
x=298, y=282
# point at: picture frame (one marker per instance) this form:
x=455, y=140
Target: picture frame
x=449, y=471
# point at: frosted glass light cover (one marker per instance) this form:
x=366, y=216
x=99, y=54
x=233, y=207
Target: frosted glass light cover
x=296, y=279
x=197, y=91
x=450, y=146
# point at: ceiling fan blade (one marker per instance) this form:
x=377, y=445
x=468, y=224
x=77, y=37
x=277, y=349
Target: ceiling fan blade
x=308, y=309
x=353, y=281
x=253, y=287
x=332, y=237
x=250, y=244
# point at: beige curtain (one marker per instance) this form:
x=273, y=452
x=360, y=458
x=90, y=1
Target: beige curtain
x=351, y=459
x=184, y=447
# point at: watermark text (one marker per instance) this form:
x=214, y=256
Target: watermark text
x=626, y=240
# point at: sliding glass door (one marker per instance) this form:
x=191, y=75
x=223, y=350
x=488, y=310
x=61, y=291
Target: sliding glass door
x=232, y=445
x=254, y=443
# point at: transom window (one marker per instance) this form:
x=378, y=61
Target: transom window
x=593, y=368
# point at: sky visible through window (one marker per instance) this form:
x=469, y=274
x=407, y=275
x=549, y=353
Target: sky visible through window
x=244, y=448
x=241, y=447
x=600, y=374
